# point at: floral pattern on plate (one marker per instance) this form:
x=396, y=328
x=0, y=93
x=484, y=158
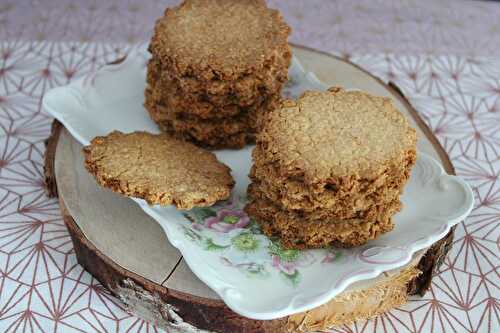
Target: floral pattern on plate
x=226, y=229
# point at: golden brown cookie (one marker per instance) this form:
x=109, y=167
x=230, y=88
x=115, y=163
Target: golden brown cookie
x=364, y=208
x=329, y=168
x=224, y=61
x=346, y=201
x=199, y=107
x=220, y=132
x=203, y=139
x=243, y=91
x=337, y=137
x=219, y=39
x=294, y=231
x=158, y=168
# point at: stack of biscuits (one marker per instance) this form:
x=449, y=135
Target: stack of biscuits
x=216, y=66
x=329, y=169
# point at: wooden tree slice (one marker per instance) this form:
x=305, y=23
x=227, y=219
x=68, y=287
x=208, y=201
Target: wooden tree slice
x=129, y=254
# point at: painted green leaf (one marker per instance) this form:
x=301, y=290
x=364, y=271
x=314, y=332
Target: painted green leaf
x=338, y=255
x=276, y=249
x=205, y=212
x=293, y=279
x=332, y=256
x=189, y=217
x=254, y=227
x=291, y=82
x=192, y=235
x=211, y=246
x=253, y=270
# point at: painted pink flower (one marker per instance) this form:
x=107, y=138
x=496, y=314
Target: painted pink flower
x=227, y=220
x=287, y=267
x=331, y=256
x=287, y=261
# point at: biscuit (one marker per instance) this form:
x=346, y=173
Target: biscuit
x=223, y=132
x=220, y=39
x=295, y=232
x=337, y=137
x=158, y=168
x=292, y=193
x=329, y=168
x=193, y=105
x=244, y=91
x=216, y=66
x=363, y=208
x=202, y=139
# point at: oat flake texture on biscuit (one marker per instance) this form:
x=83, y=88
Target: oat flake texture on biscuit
x=216, y=66
x=158, y=168
x=329, y=169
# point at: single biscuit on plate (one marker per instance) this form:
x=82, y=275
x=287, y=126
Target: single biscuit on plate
x=159, y=169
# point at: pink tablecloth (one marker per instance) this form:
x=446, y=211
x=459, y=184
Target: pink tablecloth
x=445, y=55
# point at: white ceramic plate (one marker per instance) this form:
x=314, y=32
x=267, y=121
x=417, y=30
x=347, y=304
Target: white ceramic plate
x=222, y=246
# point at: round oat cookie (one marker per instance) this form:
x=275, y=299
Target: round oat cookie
x=159, y=169
x=337, y=135
x=296, y=232
x=222, y=38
